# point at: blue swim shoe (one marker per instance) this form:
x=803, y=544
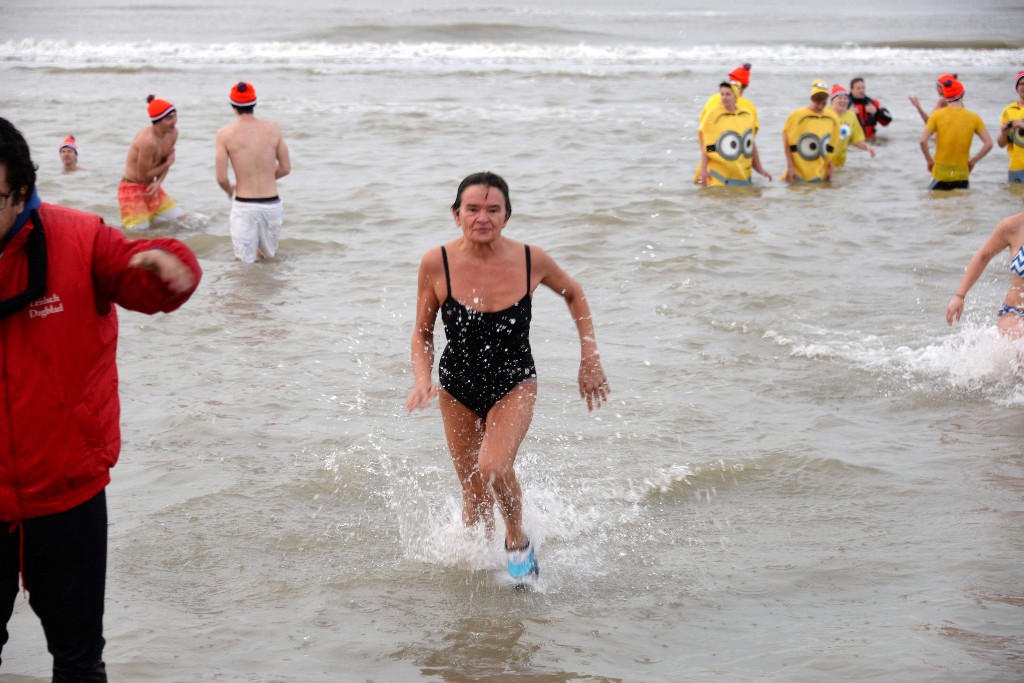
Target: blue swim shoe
x=522, y=565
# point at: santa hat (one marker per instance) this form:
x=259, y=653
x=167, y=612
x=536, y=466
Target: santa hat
x=838, y=90
x=242, y=94
x=741, y=75
x=158, y=108
x=952, y=89
x=69, y=142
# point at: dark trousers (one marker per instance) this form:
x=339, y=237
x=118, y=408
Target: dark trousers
x=64, y=558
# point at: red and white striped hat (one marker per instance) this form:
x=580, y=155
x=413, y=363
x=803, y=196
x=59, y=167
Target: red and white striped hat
x=158, y=108
x=243, y=94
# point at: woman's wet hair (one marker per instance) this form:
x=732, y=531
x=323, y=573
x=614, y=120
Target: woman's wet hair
x=487, y=179
x=16, y=158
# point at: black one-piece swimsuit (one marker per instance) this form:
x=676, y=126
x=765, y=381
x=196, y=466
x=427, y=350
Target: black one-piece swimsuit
x=487, y=354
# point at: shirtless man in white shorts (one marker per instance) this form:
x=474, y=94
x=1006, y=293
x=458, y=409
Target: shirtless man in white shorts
x=258, y=154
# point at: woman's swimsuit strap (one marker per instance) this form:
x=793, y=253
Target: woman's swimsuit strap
x=447, y=275
x=527, y=247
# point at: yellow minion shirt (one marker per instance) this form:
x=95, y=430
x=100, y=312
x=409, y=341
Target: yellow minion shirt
x=954, y=130
x=1015, y=150
x=714, y=102
x=728, y=139
x=850, y=133
x=810, y=137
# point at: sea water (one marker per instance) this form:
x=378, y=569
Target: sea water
x=802, y=474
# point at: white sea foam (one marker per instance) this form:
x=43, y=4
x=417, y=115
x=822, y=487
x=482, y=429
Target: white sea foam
x=976, y=358
x=476, y=55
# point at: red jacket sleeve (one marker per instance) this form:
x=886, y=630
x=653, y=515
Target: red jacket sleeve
x=133, y=288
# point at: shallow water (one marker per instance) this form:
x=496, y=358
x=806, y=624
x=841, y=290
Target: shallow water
x=803, y=473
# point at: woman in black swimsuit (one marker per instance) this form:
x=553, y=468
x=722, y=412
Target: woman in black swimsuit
x=483, y=284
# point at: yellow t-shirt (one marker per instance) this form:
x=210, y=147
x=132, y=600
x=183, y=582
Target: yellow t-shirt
x=728, y=139
x=954, y=129
x=850, y=133
x=1015, y=150
x=810, y=137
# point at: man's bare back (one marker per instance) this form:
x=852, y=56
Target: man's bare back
x=258, y=155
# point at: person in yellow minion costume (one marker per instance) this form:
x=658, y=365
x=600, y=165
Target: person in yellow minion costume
x=850, y=132
x=739, y=77
x=728, y=151
x=1011, y=132
x=808, y=137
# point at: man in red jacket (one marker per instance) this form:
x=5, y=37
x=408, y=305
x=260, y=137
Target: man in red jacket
x=869, y=112
x=61, y=272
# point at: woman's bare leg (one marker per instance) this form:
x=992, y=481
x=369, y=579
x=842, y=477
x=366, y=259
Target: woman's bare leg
x=464, y=432
x=507, y=424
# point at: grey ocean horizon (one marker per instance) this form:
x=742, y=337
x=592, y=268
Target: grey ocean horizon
x=803, y=474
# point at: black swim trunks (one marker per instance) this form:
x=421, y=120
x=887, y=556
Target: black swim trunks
x=488, y=354
x=949, y=185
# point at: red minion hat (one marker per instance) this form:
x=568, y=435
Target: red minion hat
x=945, y=77
x=1020, y=77
x=69, y=142
x=741, y=75
x=242, y=94
x=158, y=109
x=952, y=89
x=838, y=90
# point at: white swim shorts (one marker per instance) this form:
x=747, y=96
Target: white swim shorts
x=256, y=227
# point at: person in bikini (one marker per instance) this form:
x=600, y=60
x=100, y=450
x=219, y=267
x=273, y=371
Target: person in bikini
x=141, y=194
x=257, y=153
x=1009, y=234
x=483, y=284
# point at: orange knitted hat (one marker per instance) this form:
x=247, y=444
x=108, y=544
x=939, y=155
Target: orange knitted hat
x=952, y=89
x=158, y=109
x=741, y=75
x=242, y=94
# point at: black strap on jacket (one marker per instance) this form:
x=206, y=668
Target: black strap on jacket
x=35, y=247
